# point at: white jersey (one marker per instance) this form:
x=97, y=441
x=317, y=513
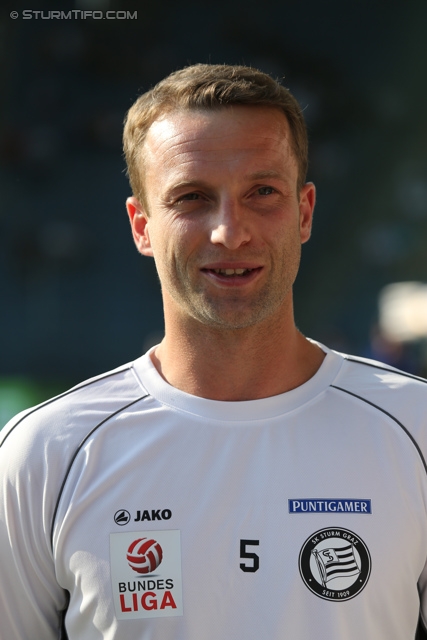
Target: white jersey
x=132, y=510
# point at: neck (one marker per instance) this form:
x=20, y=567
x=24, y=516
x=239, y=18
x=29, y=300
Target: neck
x=245, y=364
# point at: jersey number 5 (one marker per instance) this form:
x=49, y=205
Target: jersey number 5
x=253, y=565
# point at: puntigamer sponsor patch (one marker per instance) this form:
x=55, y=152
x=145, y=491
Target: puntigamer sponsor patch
x=329, y=505
x=146, y=574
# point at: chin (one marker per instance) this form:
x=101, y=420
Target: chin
x=232, y=321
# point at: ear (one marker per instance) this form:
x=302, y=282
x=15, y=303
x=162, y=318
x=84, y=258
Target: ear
x=307, y=200
x=138, y=222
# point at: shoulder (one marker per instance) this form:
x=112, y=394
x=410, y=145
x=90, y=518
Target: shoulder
x=366, y=375
x=38, y=446
x=68, y=417
x=396, y=395
x=372, y=378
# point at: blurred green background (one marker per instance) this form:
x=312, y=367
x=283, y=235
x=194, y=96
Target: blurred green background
x=76, y=298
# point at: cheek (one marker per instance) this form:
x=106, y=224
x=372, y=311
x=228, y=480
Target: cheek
x=288, y=243
x=182, y=238
x=168, y=249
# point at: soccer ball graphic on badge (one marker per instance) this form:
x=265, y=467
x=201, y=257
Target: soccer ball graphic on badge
x=144, y=555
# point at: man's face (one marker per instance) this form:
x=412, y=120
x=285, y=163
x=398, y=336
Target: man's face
x=225, y=222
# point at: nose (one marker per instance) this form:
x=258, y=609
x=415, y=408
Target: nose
x=230, y=226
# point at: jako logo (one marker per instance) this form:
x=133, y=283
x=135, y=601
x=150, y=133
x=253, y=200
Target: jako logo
x=144, y=555
x=121, y=517
x=166, y=514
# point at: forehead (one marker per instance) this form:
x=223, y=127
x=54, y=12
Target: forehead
x=215, y=135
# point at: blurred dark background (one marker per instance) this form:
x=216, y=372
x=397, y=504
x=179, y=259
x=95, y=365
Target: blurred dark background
x=76, y=298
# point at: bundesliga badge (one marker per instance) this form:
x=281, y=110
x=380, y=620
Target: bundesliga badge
x=146, y=574
x=335, y=564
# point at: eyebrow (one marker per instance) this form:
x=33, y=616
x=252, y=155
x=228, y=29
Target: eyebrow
x=260, y=175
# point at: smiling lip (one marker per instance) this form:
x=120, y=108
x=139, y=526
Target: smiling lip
x=230, y=274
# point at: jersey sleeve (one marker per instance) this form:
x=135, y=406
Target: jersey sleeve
x=37, y=449
x=402, y=397
x=31, y=601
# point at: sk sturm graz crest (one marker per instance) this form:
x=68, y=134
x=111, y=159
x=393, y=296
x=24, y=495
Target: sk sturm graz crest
x=335, y=564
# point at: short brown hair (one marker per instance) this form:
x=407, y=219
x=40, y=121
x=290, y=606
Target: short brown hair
x=210, y=86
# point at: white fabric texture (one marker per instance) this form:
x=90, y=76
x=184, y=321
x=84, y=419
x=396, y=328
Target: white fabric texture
x=275, y=482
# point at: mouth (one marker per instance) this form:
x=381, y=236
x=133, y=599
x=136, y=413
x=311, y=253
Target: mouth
x=232, y=272
x=230, y=275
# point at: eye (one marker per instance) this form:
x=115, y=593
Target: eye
x=265, y=191
x=188, y=196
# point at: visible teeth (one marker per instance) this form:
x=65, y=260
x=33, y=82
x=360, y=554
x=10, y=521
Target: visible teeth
x=231, y=272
